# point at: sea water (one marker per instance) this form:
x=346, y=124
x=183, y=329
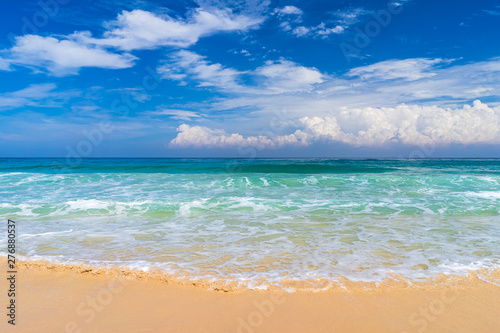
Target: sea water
x=258, y=221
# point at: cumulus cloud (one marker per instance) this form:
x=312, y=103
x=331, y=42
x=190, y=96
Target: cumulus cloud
x=274, y=77
x=199, y=136
x=140, y=29
x=408, y=69
x=63, y=56
x=409, y=124
x=404, y=124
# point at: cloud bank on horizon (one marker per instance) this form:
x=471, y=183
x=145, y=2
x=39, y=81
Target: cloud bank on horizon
x=406, y=124
x=232, y=74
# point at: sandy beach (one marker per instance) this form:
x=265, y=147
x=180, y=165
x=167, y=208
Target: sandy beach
x=59, y=298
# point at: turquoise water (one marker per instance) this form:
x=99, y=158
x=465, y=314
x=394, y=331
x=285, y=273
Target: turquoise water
x=258, y=221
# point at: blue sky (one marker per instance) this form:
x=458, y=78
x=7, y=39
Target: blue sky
x=399, y=78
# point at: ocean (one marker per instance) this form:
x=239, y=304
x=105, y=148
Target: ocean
x=259, y=222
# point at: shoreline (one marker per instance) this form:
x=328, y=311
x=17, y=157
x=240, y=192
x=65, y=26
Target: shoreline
x=79, y=298
x=215, y=283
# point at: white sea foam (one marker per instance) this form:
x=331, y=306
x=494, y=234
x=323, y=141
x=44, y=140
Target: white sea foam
x=51, y=233
x=485, y=194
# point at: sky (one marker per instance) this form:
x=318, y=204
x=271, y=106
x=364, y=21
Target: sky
x=250, y=79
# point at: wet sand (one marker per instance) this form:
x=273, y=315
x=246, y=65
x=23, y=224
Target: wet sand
x=57, y=299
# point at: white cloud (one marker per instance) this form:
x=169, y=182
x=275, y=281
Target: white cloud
x=318, y=31
x=34, y=95
x=462, y=82
x=349, y=16
x=4, y=64
x=199, y=136
x=493, y=12
x=186, y=64
x=63, y=56
x=291, y=16
x=176, y=114
x=300, y=31
x=408, y=69
x=140, y=29
x=449, y=86
x=254, y=8
x=285, y=26
x=286, y=76
x=132, y=30
x=479, y=90
x=323, y=30
x=288, y=10
x=403, y=124
x=410, y=125
x=274, y=77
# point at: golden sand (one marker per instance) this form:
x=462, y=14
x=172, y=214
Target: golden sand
x=59, y=298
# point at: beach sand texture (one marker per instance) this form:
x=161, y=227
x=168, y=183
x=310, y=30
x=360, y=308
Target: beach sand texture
x=59, y=298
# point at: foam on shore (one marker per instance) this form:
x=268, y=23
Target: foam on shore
x=289, y=285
